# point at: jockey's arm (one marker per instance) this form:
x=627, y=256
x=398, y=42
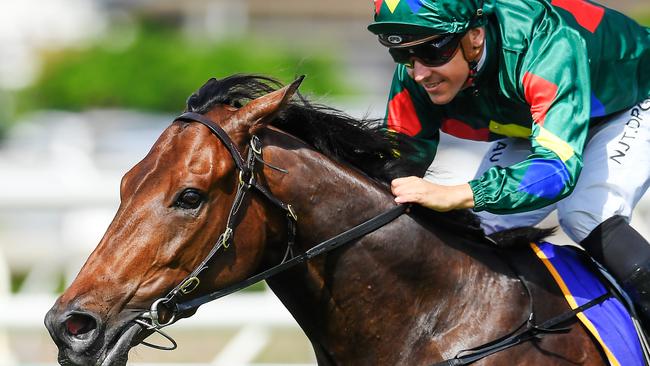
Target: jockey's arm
x=552, y=77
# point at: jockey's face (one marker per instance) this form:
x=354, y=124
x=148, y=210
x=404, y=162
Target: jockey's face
x=443, y=83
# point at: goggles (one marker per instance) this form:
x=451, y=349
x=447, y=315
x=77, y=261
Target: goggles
x=432, y=51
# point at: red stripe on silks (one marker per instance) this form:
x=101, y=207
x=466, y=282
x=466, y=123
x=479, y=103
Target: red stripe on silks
x=462, y=130
x=539, y=93
x=402, y=117
x=378, y=5
x=587, y=15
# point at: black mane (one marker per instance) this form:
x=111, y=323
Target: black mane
x=364, y=144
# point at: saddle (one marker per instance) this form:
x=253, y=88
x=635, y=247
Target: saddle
x=612, y=322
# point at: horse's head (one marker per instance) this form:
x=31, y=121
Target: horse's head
x=174, y=205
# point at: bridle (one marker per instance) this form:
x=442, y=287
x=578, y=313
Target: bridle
x=177, y=306
x=247, y=182
x=174, y=302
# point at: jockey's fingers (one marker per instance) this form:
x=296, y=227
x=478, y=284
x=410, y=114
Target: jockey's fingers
x=415, y=197
x=401, y=181
x=408, y=188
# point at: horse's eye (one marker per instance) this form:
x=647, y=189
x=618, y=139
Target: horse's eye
x=189, y=199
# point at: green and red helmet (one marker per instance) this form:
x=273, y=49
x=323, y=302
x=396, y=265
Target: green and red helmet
x=429, y=17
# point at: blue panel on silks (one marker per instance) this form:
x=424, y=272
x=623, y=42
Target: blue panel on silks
x=609, y=322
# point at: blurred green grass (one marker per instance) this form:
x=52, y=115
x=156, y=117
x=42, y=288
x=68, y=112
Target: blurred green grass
x=643, y=18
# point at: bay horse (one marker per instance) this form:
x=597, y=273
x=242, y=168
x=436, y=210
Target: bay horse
x=422, y=288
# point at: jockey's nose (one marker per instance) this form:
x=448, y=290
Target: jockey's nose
x=420, y=72
x=74, y=331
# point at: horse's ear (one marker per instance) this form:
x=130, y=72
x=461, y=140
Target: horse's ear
x=259, y=112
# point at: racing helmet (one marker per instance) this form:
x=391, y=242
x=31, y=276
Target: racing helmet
x=397, y=22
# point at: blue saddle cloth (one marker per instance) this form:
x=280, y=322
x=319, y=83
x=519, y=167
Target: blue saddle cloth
x=609, y=322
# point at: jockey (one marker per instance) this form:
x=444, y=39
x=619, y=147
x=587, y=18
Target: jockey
x=562, y=87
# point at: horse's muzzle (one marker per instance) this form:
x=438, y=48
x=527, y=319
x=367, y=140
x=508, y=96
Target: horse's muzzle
x=76, y=333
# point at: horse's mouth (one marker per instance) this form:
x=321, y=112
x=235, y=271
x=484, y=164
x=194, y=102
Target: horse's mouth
x=117, y=353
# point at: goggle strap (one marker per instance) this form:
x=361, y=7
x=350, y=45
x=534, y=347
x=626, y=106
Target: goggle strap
x=410, y=44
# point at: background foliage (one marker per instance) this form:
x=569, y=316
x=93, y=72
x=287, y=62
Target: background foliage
x=162, y=67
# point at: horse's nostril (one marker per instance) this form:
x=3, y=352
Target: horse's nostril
x=79, y=324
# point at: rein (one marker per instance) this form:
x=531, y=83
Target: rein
x=174, y=304
x=324, y=247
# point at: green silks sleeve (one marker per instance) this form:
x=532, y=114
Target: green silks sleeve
x=552, y=77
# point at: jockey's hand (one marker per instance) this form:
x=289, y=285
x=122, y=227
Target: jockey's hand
x=431, y=195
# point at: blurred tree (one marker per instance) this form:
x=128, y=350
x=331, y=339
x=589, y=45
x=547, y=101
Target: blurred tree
x=161, y=67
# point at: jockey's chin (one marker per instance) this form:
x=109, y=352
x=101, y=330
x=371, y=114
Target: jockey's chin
x=440, y=95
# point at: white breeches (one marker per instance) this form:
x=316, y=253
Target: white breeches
x=615, y=175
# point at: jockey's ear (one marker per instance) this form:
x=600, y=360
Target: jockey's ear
x=472, y=44
x=258, y=113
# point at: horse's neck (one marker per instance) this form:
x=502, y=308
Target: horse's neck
x=329, y=197
x=404, y=289
x=402, y=286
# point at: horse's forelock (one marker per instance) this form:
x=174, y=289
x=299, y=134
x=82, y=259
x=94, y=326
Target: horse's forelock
x=235, y=90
